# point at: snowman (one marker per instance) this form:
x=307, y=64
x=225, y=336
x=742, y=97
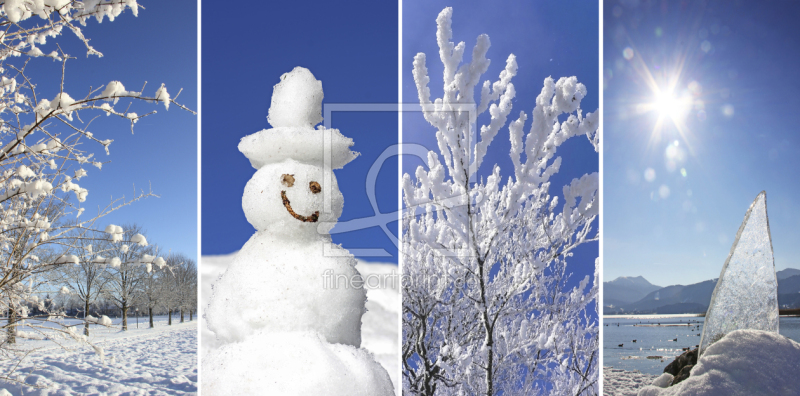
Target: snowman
x=285, y=310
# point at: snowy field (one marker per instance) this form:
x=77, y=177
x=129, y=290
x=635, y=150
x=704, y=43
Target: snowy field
x=379, y=326
x=158, y=361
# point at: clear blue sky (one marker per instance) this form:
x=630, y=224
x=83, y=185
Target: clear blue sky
x=158, y=46
x=352, y=48
x=557, y=39
x=736, y=63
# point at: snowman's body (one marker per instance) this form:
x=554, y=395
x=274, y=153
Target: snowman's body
x=286, y=309
x=290, y=290
x=294, y=363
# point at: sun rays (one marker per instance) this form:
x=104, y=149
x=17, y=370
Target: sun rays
x=669, y=97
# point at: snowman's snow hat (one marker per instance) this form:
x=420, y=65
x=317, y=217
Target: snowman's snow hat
x=295, y=109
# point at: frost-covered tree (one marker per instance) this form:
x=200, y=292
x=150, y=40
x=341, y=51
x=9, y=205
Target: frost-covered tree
x=180, y=288
x=190, y=303
x=185, y=275
x=486, y=309
x=153, y=289
x=170, y=297
x=46, y=148
x=136, y=258
x=87, y=279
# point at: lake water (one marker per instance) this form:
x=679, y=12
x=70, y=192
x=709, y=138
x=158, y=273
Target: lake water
x=655, y=336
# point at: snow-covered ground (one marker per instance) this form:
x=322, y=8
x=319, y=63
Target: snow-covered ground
x=617, y=382
x=143, y=361
x=379, y=326
x=744, y=362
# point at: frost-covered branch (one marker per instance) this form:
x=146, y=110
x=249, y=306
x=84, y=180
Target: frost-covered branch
x=485, y=308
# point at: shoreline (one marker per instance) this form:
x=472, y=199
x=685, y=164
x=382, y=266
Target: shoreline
x=652, y=316
x=784, y=313
x=620, y=382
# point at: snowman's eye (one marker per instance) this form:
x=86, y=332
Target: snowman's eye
x=314, y=187
x=287, y=180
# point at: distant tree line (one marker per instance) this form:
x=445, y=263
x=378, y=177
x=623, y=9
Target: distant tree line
x=115, y=273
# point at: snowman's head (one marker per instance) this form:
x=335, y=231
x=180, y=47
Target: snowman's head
x=287, y=198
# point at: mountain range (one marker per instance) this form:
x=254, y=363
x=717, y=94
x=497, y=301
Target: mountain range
x=635, y=295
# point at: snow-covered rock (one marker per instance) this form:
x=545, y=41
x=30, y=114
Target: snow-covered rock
x=664, y=380
x=744, y=362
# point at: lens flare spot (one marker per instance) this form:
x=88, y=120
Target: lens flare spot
x=675, y=152
x=663, y=191
x=695, y=88
x=649, y=174
x=627, y=53
x=727, y=110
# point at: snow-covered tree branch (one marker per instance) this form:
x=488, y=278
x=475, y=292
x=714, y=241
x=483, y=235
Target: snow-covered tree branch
x=49, y=245
x=486, y=309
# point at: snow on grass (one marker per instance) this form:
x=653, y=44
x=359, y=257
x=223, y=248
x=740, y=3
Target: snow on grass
x=379, y=325
x=158, y=361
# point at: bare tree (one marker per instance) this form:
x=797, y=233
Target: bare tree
x=181, y=285
x=185, y=271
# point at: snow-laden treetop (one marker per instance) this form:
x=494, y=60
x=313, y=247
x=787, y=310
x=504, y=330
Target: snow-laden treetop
x=296, y=108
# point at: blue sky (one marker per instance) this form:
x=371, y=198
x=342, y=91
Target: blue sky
x=555, y=39
x=352, y=48
x=158, y=46
x=733, y=135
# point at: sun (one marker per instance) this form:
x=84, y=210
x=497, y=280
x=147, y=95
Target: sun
x=667, y=97
x=667, y=104
x=670, y=108
x=670, y=105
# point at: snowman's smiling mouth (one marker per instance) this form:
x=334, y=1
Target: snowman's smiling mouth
x=306, y=219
